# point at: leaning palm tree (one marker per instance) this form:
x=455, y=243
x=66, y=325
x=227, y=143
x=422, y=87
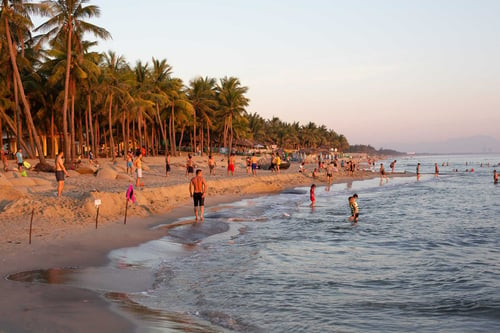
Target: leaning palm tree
x=67, y=24
x=232, y=103
x=16, y=14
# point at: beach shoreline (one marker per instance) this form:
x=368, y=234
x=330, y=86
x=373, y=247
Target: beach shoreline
x=28, y=307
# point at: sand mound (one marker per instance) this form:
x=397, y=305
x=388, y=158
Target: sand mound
x=107, y=173
x=86, y=170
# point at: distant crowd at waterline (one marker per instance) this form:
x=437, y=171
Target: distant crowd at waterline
x=327, y=166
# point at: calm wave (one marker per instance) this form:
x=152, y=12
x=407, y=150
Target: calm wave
x=424, y=257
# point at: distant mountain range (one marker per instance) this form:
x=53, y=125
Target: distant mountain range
x=474, y=144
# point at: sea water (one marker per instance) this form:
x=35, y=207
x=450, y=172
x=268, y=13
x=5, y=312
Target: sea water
x=424, y=257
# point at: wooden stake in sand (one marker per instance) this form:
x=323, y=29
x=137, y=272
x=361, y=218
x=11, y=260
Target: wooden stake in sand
x=97, y=204
x=126, y=207
x=31, y=222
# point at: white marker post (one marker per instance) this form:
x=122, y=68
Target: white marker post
x=97, y=203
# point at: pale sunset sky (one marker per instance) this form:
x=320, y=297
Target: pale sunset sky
x=384, y=73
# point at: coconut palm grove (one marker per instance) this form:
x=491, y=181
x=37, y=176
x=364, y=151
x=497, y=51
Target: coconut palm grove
x=57, y=94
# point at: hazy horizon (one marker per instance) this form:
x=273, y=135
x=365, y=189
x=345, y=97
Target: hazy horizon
x=377, y=72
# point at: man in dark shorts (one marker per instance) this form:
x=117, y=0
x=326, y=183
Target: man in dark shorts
x=60, y=172
x=197, y=190
x=189, y=166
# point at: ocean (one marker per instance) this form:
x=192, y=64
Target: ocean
x=424, y=257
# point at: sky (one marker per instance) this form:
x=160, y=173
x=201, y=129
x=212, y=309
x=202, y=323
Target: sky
x=389, y=73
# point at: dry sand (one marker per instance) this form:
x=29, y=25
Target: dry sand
x=64, y=231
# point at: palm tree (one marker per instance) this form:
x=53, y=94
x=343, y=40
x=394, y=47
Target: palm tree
x=118, y=81
x=159, y=82
x=232, y=103
x=17, y=15
x=202, y=95
x=67, y=25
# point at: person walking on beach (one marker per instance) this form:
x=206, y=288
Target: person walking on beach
x=138, y=170
x=230, y=164
x=60, y=173
x=436, y=170
x=197, y=191
x=382, y=173
x=19, y=156
x=189, y=166
x=129, y=163
x=167, y=164
x=311, y=195
x=278, y=163
x=495, y=177
x=211, y=165
x=248, y=162
x=91, y=157
x=329, y=175
x=254, y=164
x=418, y=171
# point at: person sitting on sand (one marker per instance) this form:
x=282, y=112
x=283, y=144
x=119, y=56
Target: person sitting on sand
x=197, y=191
x=302, y=168
x=60, y=173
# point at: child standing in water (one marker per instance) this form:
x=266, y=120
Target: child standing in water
x=311, y=195
x=354, y=208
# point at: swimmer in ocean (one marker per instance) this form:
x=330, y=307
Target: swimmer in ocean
x=353, y=205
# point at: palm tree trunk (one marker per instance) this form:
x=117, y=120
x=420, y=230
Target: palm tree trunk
x=52, y=136
x=111, y=141
x=87, y=140
x=125, y=141
x=209, y=144
x=173, y=130
x=194, y=130
x=91, y=129
x=72, y=128
x=67, y=150
x=180, y=138
x=10, y=124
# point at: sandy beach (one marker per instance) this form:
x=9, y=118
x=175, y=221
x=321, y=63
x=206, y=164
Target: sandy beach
x=64, y=233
